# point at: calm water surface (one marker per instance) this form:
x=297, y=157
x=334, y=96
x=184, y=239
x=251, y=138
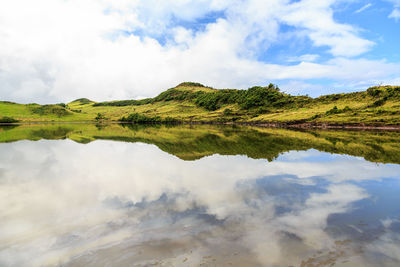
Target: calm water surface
x=86, y=195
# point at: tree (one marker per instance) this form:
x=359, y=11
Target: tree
x=99, y=117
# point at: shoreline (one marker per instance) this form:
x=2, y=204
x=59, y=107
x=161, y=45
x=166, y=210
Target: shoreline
x=284, y=125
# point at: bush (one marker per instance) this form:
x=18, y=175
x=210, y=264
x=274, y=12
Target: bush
x=8, y=120
x=82, y=101
x=191, y=84
x=334, y=110
x=378, y=103
x=50, y=110
x=346, y=109
x=316, y=116
x=209, y=101
x=140, y=118
x=393, y=91
x=262, y=110
x=375, y=91
x=384, y=91
x=99, y=117
x=263, y=96
x=227, y=112
x=123, y=103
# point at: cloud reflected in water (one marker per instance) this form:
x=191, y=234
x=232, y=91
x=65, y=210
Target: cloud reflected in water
x=119, y=203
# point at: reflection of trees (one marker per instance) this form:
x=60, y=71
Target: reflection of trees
x=190, y=142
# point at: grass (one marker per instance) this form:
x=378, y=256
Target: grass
x=39, y=113
x=181, y=103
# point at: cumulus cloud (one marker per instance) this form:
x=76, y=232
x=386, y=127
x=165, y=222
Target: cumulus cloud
x=306, y=57
x=317, y=18
x=395, y=14
x=60, y=50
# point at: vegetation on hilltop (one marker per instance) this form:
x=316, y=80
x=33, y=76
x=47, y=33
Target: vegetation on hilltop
x=122, y=103
x=192, y=84
x=194, y=102
x=257, y=96
x=83, y=101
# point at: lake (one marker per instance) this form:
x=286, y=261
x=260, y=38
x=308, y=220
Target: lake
x=197, y=195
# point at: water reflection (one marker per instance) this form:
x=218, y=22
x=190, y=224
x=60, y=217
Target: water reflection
x=110, y=203
x=194, y=142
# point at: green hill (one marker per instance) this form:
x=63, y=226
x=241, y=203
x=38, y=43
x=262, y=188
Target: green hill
x=193, y=102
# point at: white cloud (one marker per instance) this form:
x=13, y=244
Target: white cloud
x=396, y=11
x=306, y=57
x=317, y=18
x=54, y=50
x=363, y=8
x=395, y=14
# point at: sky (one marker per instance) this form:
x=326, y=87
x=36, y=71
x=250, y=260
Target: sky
x=59, y=50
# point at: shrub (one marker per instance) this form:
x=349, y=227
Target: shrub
x=375, y=91
x=346, y=109
x=8, y=120
x=393, y=91
x=330, y=98
x=263, y=96
x=378, y=103
x=227, y=112
x=316, y=116
x=83, y=101
x=99, y=117
x=209, y=101
x=262, y=110
x=334, y=110
x=50, y=110
x=191, y=84
x=384, y=91
x=140, y=118
x=123, y=103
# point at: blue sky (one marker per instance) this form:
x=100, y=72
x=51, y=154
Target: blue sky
x=56, y=50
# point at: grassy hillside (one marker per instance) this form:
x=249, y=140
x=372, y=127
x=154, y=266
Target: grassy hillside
x=195, y=102
x=190, y=143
